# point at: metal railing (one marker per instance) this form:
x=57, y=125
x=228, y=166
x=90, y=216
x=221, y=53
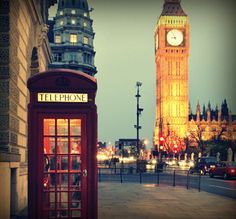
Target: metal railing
x=166, y=176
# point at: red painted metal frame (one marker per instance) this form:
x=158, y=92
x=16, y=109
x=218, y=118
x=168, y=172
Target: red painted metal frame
x=83, y=157
x=78, y=83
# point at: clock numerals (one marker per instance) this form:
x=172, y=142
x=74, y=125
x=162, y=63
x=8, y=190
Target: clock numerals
x=174, y=37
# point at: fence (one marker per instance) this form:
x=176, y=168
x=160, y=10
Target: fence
x=164, y=176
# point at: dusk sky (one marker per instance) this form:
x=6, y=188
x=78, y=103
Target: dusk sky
x=124, y=45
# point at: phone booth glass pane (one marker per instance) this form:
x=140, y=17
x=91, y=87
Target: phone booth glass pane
x=62, y=190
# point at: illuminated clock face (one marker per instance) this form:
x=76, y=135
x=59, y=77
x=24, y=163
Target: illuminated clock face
x=175, y=37
x=157, y=41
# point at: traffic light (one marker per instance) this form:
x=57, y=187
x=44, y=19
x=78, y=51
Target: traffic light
x=175, y=148
x=161, y=141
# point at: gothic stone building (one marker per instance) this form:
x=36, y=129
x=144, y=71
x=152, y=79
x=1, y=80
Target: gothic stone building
x=212, y=124
x=24, y=50
x=172, y=43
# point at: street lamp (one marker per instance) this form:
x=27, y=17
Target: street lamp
x=138, y=114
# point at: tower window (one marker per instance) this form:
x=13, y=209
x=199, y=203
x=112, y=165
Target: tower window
x=86, y=40
x=72, y=11
x=73, y=21
x=73, y=58
x=61, y=12
x=87, y=58
x=61, y=22
x=73, y=38
x=57, y=57
x=57, y=38
x=85, y=14
x=85, y=24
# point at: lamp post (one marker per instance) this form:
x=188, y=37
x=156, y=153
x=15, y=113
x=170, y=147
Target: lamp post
x=138, y=114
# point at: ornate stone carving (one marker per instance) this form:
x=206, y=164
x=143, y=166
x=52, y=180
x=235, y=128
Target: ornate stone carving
x=42, y=34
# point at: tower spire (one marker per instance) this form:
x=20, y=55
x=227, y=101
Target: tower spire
x=172, y=8
x=172, y=1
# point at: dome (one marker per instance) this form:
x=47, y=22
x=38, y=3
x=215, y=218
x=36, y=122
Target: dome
x=78, y=4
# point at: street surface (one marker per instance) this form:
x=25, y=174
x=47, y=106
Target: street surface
x=216, y=185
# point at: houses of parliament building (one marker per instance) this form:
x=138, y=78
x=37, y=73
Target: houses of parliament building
x=173, y=114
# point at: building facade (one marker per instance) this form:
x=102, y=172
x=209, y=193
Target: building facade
x=127, y=147
x=175, y=123
x=24, y=51
x=211, y=124
x=171, y=56
x=72, y=37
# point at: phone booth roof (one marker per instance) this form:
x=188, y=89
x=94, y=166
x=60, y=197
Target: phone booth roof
x=62, y=80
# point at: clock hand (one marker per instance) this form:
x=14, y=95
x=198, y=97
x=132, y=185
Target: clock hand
x=173, y=34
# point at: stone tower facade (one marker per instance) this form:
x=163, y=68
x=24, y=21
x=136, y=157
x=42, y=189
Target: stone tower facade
x=171, y=56
x=72, y=37
x=24, y=51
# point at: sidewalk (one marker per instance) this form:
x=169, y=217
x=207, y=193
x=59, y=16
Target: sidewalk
x=147, y=201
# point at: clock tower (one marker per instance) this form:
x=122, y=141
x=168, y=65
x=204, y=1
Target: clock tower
x=171, y=57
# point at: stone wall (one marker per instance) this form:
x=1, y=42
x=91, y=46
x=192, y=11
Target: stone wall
x=22, y=31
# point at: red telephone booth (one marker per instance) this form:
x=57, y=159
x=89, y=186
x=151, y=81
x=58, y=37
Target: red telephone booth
x=62, y=130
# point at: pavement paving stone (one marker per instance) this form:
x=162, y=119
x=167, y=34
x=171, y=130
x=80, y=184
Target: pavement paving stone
x=146, y=201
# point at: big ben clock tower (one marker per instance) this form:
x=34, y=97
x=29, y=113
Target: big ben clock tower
x=171, y=56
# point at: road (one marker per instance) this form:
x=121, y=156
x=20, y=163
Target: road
x=178, y=177
x=219, y=186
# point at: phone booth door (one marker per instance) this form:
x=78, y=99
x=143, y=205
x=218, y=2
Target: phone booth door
x=64, y=171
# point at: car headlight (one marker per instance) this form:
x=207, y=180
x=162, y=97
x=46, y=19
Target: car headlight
x=154, y=161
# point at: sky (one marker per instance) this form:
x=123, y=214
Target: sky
x=124, y=45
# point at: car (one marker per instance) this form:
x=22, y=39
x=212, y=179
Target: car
x=185, y=163
x=224, y=169
x=171, y=161
x=151, y=164
x=202, y=165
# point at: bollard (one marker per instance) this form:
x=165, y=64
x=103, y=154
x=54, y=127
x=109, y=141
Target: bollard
x=99, y=174
x=174, y=179
x=199, y=182
x=140, y=177
x=187, y=179
x=158, y=178
x=121, y=176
